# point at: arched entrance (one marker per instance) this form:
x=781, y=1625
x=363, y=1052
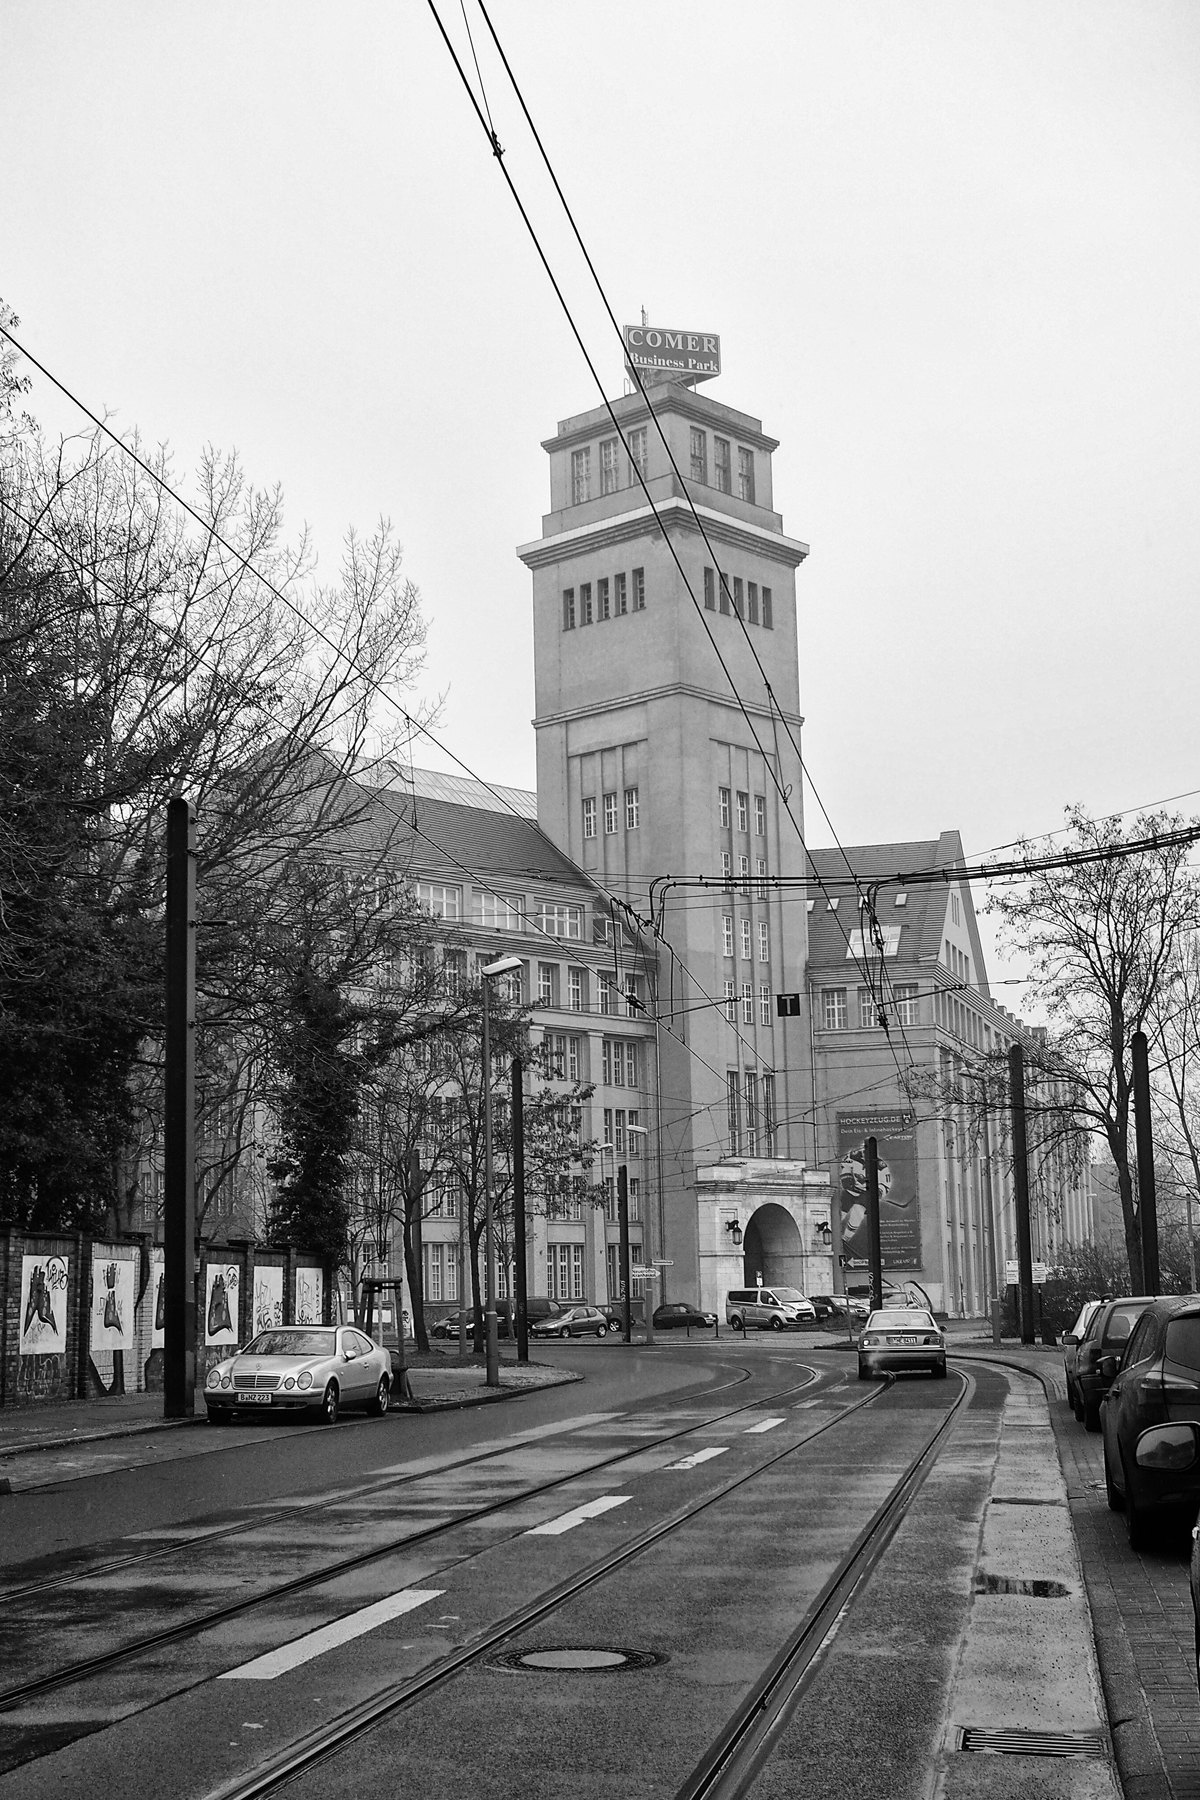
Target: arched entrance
x=773, y=1253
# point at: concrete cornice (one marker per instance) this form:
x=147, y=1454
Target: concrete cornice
x=667, y=690
x=675, y=515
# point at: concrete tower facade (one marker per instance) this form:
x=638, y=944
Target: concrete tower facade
x=648, y=768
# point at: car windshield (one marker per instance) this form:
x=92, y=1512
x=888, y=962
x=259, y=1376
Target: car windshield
x=789, y=1296
x=902, y=1319
x=291, y=1343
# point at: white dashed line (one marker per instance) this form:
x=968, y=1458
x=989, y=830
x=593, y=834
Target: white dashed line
x=567, y=1521
x=764, y=1425
x=699, y=1456
x=315, y=1643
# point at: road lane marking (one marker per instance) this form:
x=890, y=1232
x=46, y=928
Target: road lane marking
x=431, y=1465
x=567, y=1521
x=699, y=1456
x=764, y=1425
x=328, y=1637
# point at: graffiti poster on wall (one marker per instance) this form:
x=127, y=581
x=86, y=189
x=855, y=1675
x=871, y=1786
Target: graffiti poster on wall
x=221, y=1303
x=895, y=1134
x=44, y=1305
x=158, y=1298
x=112, y=1302
x=309, y=1295
x=268, y=1297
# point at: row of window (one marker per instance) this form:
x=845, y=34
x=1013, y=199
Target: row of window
x=751, y=1111
x=730, y=798
x=612, y=999
x=564, y=1058
x=745, y=938
x=733, y=595
x=749, y=888
x=958, y=962
x=611, y=812
x=835, y=1008
x=722, y=464
x=833, y=904
x=613, y=598
x=746, y=1002
x=615, y=471
x=610, y=466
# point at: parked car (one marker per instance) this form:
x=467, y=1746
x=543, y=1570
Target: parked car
x=300, y=1368
x=572, y=1321
x=768, y=1309
x=1107, y=1335
x=448, y=1326
x=837, y=1306
x=536, y=1307
x=1150, y=1418
x=675, y=1315
x=1071, y=1341
x=901, y=1337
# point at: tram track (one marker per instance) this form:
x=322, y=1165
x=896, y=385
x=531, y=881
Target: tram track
x=86, y=1668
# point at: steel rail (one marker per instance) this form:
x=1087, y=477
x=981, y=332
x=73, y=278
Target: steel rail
x=329, y=1740
x=734, y=1759
x=88, y=1667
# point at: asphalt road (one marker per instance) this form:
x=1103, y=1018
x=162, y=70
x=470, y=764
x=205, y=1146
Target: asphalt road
x=776, y=1454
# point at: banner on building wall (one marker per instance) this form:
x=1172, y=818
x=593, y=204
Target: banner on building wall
x=158, y=1299
x=221, y=1303
x=310, y=1292
x=112, y=1301
x=43, y=1303
x=895, y=1134
x=268, y=1298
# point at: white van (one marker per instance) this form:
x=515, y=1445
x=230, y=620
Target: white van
x=768, y=1308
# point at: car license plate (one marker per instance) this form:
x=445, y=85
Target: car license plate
x=908, y=1339
x=254, y=1399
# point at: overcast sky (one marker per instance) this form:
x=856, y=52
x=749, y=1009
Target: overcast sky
x=952, y=250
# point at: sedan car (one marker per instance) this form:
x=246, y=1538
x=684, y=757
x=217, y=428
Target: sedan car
x=315, y=1369
x=573, y=1321
x=1150, y=1418
x=678, y=1314
x=901, y=1337
x=837, y=1306
x=1071, y=1341
x=1103, y=1344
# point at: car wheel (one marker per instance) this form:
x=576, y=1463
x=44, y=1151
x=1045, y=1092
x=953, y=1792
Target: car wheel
x=383, y=1397
x=939, y=1370
x=1075, y=1399
x=735, y=1323
x=1116, y=1499
x=565, y=1332
x=602, y=1331
x=329, y=1405
x=864, y=1374
x=776, y=1324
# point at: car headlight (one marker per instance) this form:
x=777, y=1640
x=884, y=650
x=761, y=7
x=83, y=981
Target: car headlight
x=214, y=1378
x=289, y=1381
x=304, y=1380
x=226, y=1381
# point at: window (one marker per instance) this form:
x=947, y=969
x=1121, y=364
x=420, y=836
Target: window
x=568, y=609
x=500, y=911
x=574, y=1045
x=764, y=941
x=608, y=466
x=764, y=1004
x=752, y=602
x=631, y=1063
x=744, y=874
x=723, y=797
x=634, y=1004
x=734, y=1102
x=760, y=815
x=866, y=1009
x=722, y=465
x=760, y=867
x=589, y=816
x=751, y=1084
x=699, y=452
x=631, y=809
x=955, y=909
x=618, y=1063
x=833, y=1008
x=620, y=594
x=766, y=609
x=559, y=919
x=554, y=1055
x=743, y=809
x=548, y=984
x=639, y=590
x=607, y=988
x=747, y=950
x=454, y=971
x=581, y=476
x=737, y=595
x=731, y=1002
x=603, y=610
x=862, y=943
x=747, y=1003
x=908, y=1010
x=610, y=814
x=710, y=590
x=635, y=1204
x=768, y=1114
x=727, y=934
x=441, y=901
x=832, y=905
x=435, y=1271
x=585, y=603
x=901, y=899
x=745, y=474
x=575, y=989
x=724, y=606
x=727, y=869
x=637, y=454
x=635, y=1138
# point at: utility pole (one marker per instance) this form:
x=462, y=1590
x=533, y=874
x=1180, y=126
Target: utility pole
x=874, y=1245
x=1016, y=1088
x=990, y=1220
x=1147, y=1196
x=520, y=1280
x=623, y=1222
x=179, y=1186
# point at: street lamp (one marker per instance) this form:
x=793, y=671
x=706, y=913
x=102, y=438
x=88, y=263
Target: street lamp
x=505, y=965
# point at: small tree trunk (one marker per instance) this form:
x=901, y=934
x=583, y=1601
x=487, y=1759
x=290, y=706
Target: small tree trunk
x=416, y=1285
x=1133, y=1235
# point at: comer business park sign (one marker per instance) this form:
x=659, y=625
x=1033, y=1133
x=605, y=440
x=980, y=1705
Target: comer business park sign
x=693, y=354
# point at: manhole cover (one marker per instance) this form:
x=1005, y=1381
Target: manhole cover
x=1016, y=1584
x=577, y=1659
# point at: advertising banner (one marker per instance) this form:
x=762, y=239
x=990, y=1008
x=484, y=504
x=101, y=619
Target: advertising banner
x=895, y=1133
x=112, y=1301
x=158, y=1298
x=696, y=354
x=268, y=1298
x=309, y=1295
x=43, y=1305
x=221, y=1303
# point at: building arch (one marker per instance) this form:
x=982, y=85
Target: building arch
x=773, y=1250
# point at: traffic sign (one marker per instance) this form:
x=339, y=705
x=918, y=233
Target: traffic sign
x=663, y=1262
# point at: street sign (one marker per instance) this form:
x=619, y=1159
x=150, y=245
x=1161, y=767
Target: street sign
x=1012, y=1274
x=787, y=1006
x=663, y=1262
x=1041, y=1273
x=639, y=1272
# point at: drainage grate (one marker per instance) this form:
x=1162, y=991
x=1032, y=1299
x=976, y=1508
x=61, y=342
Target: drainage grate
x=576, y=1659
x=1015, y=1584
x=1031, y=1743
x=1015, y=1500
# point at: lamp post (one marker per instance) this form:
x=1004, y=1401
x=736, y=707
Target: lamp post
x=505, y=965
x=648, y=1297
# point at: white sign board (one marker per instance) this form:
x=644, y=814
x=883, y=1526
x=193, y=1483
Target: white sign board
x=112, y=1301
x=1012, y=1274
x=639, y=1272
x=1041, y=1273
x=43, y=1305
x=158, y=1298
